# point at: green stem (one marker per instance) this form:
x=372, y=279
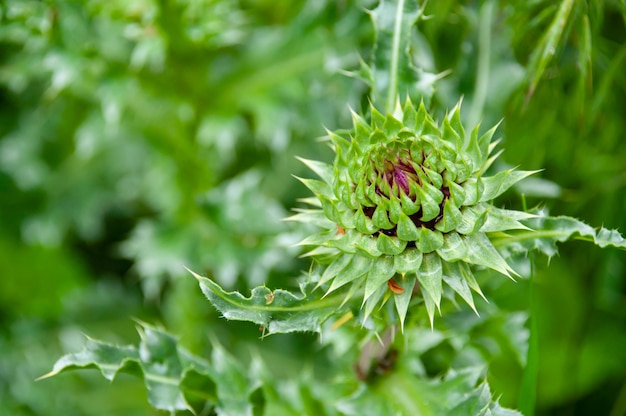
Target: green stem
x=528, y=393
x=482, y=72
x=392, y=92
x=534, y=235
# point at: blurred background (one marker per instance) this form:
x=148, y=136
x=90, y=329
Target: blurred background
x=141, y=136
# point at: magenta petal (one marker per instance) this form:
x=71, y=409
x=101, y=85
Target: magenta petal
x=401, y=179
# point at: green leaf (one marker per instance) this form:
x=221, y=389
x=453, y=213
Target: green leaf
x=389, y=244
x=382, y=270
x=472, y=220
x=366, y=245
x=453, y=248
x=473, y=188
x=547, y=231
x=454, y=278
x=549, y=44
x=393, y=72
x=408, y=262
x=334, y=268
x=380, y=218
x=407, y=230
x=459, y=392
x=452, y=217
x=403, y=299
x=497, y=184
x=429, y=240
x=277, y=311
x=481, y=252
x=319, y=188
x=430, y=278
x=376, y=299
x=166, y=368
x=234, y=384
x=323, y=170
x=504, y=219
x=359, y=266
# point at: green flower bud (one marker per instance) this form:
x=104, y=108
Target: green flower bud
x=410, y=197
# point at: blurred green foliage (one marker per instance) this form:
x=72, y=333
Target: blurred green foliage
x=138, y=137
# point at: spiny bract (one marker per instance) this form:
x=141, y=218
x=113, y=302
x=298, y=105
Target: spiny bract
x=406, y=201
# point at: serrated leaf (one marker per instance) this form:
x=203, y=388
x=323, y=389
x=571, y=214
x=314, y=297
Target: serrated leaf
x=459, y=392
x=547, y=231
x=464, y=270
x=165, y=368
x=310, y=216
x=234, y=384
x=277, y=311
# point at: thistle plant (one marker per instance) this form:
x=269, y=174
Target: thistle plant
x=407, y=201
x=406, y=214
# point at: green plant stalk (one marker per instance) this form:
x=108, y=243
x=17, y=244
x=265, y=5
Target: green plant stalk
x=482, y=73
x=528, y=392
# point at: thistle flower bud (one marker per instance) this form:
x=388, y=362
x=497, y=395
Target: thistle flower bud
x=413, y=205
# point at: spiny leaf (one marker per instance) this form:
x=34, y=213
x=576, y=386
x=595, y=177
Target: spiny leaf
x=504, y=219
x=453, y=276
x=480, y=251
x=382, y=270
x=429, y=277
x=310, y=216
x=277, y=311
x=453, y=248
x=462, y=392
x=374, y=300
x=403, y=299
x=169, y=371
x=317, y=187
x=359, y=266
x=408, y=262
x=234, y=384
x=547, y=231
x=497, y=184
x=334, y=269
x=323, y=170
